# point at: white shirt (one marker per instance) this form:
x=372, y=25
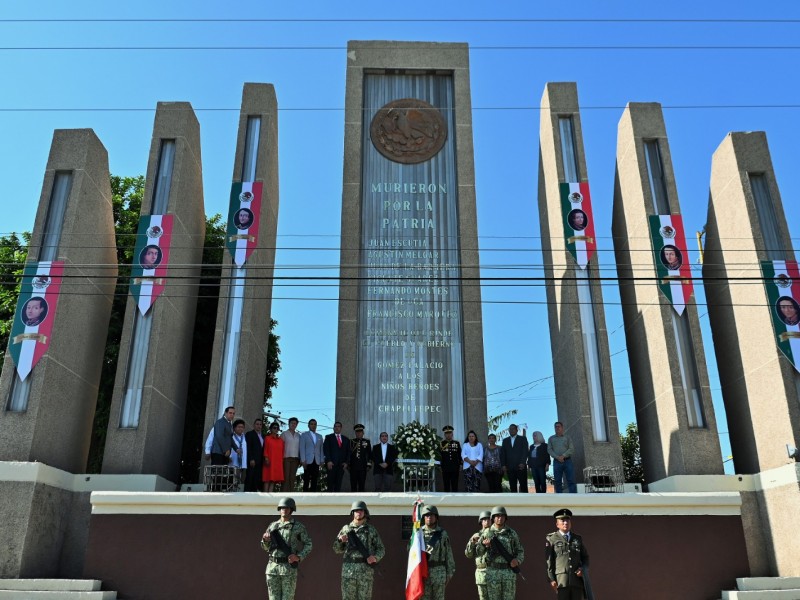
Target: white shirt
x=473, y=453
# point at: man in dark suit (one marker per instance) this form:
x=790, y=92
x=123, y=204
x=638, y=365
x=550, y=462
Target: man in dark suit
x=223, y=438
x=514, y=458
x=311, y=456
x=336, y=448
x=384, y=456
x=255, y=457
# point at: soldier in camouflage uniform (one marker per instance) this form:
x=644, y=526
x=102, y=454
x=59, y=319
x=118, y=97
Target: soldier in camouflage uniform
x=480, y=560
x=287, y=543
x=360, y=455
x=504, y=554
x=441, y=564
x=362, y=548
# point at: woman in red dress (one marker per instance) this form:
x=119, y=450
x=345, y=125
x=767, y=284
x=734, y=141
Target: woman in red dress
x=272, y=471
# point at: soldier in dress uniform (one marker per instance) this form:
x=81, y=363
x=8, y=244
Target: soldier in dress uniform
x=362, y=548
x=441, y=564
x=287, y=543
x=360, y=455
x=484, y=519
x=566, y=558
x=451, y=460
x=504, y=555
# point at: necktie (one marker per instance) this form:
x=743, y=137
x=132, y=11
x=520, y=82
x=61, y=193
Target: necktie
x=339, y=440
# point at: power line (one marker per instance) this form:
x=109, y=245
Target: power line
x=569, y=21
x=548, y=48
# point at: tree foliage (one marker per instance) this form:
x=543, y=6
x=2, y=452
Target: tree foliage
x=127, y=196
x=496, y=421
x=631, y=455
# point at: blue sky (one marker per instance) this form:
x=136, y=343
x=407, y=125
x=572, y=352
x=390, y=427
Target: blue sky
x=736, y=86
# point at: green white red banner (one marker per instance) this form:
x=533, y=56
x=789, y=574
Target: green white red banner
x=671, y=259
x=576, y=209
x=782, y=284
x=32, y=329
x=150, y=259
x=243, y=217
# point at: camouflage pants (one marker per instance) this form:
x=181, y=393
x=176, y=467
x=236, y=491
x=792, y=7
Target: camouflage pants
x=357, y=588
x=480, y=581
x=281, y=587
x=501, y=584
x=433, y=591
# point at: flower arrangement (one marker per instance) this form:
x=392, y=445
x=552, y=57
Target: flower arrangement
x=418, y=441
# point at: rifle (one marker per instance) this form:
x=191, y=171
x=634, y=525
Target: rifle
x=276, y=541
x=356, y=543
x=503, y=551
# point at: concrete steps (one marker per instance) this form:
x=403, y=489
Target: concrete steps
x=765, y=588
x=53, y=589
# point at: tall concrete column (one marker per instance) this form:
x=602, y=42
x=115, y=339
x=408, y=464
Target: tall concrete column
x=410, y=343
x=674, y=409
x=145, y=427
x=48, y=416
x=241, y=337
x=746, y=224
x=578, y=334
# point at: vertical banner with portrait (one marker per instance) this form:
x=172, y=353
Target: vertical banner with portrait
x=243, y=217
x=576, y=206
x=782, y=284
x=150, y=259
x=36, y=310
x=671, y=259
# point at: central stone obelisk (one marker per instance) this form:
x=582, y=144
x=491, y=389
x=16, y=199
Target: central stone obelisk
x=410, y=331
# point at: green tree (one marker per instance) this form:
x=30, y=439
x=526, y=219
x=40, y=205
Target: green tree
x=631, y=455
x=497, y=421
x=13, y=252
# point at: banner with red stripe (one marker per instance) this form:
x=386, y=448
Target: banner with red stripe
x=782, y=284
x=244, y=214
x=151, y=259
x=671, y=259
x=576, y=209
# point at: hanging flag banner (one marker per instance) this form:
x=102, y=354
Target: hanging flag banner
x=32, y=329
x=417, y=568
x=671, y=259
x=150, y=259
x=576, y=207
x=782, y=284
x=243, y=217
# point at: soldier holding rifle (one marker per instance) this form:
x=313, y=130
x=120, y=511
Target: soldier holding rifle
x=287, y=542
x=362, y=548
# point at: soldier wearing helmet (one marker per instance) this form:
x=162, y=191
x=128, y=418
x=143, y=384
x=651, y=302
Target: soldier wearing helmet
x=484, y=519
x=441, y=564
x=362, y=549
x=504, y=554
x=287, y=543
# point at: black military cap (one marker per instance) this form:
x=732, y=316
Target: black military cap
x=447, y=429
x=358, y=427
x=563, y=513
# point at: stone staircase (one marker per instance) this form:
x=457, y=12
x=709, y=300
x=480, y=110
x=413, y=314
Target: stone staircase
x=53, y=589
x=763, y=588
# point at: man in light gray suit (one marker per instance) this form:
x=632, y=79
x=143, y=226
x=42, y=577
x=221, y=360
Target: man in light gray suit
x=223, y=438
x=311, y=456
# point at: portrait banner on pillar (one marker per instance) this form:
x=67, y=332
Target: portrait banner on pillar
x=150, y=259
x=671, y=259
x=32, y=329
x=782, y=284
x=243, y=217
x=576, y=206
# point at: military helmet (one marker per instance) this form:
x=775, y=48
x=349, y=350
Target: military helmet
x=287, y=503
x=429, y=509
x=359, y=505
x=499, y=510
x=485, y=514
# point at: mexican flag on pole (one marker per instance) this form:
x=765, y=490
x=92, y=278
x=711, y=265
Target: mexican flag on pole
x=417, y=570
x=244, y=214
x=150, y=259
x=782, y=284
x=671, y=259
x=32, y=328
x=576, y=210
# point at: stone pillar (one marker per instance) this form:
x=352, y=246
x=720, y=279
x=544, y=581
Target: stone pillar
x=759, y=385
x=150, y=442
x=55, y=425
x=578, y=335
x=241, y=337
x=410, y=340
x=674, y=410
